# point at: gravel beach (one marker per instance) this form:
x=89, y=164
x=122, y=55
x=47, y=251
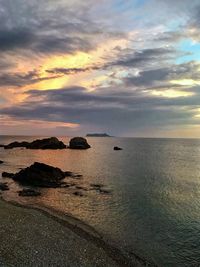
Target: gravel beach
x=30, y=238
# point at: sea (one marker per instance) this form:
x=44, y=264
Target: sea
x=151, y=203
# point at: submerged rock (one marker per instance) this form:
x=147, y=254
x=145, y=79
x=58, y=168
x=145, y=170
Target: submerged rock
x=117, y=148
x=7, y=175
x=4, y=186
x=78, y=193
x=40, y=174
x=78, y=143
x=47, y=143
x=29, y=193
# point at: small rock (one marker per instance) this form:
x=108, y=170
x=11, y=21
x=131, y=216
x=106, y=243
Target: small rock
x=77, y=193
x=7, y=175
x=117, y=148
x=4, y=186
x=104, y=191
x=1, y=162
x=29, y=193
x=96, y=186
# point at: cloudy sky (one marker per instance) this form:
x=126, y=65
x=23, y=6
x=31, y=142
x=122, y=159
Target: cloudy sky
x=128, y=68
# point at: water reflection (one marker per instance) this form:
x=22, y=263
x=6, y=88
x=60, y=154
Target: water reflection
x=154, y=207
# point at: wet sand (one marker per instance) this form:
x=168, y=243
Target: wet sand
x=34, y=237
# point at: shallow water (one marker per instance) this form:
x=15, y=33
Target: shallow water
x=154, y=206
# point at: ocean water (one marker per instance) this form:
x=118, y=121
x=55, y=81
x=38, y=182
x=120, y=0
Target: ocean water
x=153, y=209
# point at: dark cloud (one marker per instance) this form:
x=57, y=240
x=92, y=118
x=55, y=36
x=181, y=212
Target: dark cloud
x=15, y=38
x=21, y=79
x=111, y=109
x=69, y=71
x=154, y=77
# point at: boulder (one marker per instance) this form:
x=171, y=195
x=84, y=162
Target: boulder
x=47, y=143
x=41, y=175
x=117, y=148
x=78, y=143
x=28, y=193
x=7, y=175
x=4, y=186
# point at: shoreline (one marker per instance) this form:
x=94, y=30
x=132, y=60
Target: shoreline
x=86, y=232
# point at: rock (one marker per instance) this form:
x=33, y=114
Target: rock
x=28, y=193
x=41, y=175
x=4, y=186
x=96, y=186
x=2, y=145
x=16, y=144
x=117, y=148
x=78, y=193
x=104, y=191
x=1, y=162
x=78, y=143
x=7, y=175
x=47, y=143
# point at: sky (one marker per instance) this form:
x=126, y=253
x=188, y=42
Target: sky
x=128, y=68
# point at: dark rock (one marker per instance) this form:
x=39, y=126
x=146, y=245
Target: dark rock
x=96, y=185
x=78, y=193
x=29, y=193
x=7, y=175
x=78, y=143
x=1, y=162
x=117, y=148
x=40, y=174
x=4, y=186
x=16, y=144
x=2, y=145
x=47, y=143
x=69, y=174
x=104, y=191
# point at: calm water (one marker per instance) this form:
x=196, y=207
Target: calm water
x=154, y=207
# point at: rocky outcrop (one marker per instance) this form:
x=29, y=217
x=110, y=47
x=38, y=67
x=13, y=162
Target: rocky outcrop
x=7, y=175
x=117, y=148
x=41, y=175
x=47, y=143
x=78, y=143
x=98, y=135
x=16, y=144
x=29, y=193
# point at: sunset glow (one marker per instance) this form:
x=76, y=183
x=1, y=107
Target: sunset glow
x=103, y=63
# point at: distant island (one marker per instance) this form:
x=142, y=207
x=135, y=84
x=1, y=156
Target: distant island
x=98, y=135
